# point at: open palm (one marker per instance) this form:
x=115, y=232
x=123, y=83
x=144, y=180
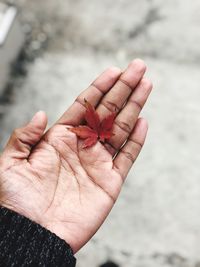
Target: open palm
x=51, y=179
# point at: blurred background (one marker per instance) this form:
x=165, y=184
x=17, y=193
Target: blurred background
x=64, y=45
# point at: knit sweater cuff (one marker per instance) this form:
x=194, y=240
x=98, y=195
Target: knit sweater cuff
x=25, y=243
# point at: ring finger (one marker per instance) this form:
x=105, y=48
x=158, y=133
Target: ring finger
x=127, y=118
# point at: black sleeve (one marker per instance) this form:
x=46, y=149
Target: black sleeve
x=25, y=243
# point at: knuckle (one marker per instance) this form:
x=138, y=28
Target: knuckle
x=124, y=126
x=136, y=145
x=111, y=106
x=129, y=156
x=136, y=104
x=79, y=100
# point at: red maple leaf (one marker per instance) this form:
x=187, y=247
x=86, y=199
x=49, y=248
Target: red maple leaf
x=95, y=129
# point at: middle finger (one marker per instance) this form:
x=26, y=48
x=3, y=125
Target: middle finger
x=127, y=118
x=114, y=100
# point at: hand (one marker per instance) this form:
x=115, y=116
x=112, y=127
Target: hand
x=49, y=178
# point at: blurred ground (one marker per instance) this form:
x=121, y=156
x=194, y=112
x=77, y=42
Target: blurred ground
x=156, y=221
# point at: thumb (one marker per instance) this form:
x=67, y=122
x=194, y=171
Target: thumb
x=23, y=139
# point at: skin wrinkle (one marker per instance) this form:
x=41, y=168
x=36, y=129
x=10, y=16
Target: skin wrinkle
x=70, y=171
x=27, y=178
x=68, y=221
x=10, y=196
x=111, y=107
x=123, y=126
x=117, y=169
x=54, y=193
x=96, y=163
x=135, y=142
x=127, y=84
x=111, y=148
x=128, y=155
x=17, y=158
x=40, y=179
x=27, y=144
x=62, y=137
x=108, y=148
x=77, y=180
x=34, y=147
x=57, y=181
x=58, y=202
x=136, y=103
x=110, y=169
x=94, y=166
x=52, y=224
x=18, y=134
x=10, y=167
x=102, y=189
x=110, y=74
x=27, y=186
x=25, y=151
x=92, y=180
x=113, y=199
x=71, y=158
x=79, y=101
x=86, y=174
x=13, y=207
x=116, y=148
x=26, y=135
x=62, y=158
x=74, y=151
x=98, y=89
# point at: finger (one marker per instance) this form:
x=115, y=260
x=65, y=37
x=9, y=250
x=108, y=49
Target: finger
x=130, y=151
x=23, y=139
x=126, y=119
x=75, y=114
x=118, y=95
